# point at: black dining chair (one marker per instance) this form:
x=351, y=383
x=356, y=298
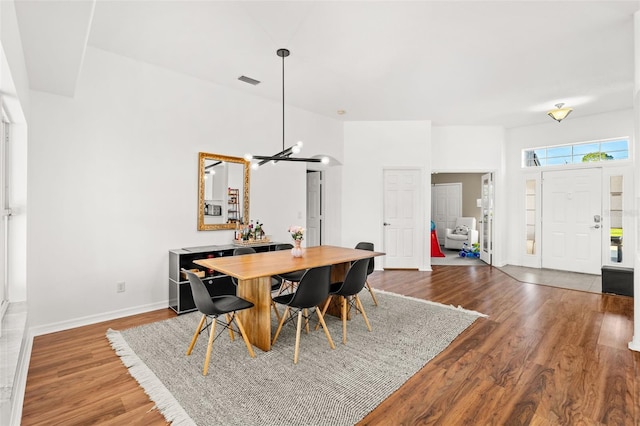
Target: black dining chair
x=368, y=246
x=275, y=282
x=312, y=289
x=212, y=308
x=348, y=292
x=289, y=280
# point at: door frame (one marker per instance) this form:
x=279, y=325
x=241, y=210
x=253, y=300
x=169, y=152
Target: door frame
x=487, y=204
x=625, y=169
x=497, y=257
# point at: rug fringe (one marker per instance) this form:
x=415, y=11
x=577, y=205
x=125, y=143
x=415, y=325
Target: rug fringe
x=152, y=386
x=429, y=302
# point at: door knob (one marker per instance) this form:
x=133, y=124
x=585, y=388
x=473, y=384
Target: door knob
x=386, y=224
x=596, y=226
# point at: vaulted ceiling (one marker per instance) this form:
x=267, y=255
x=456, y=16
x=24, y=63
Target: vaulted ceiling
x=499, y=63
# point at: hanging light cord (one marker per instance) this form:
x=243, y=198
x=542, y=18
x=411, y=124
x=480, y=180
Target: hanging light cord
x=283, y=56
x=285, y=154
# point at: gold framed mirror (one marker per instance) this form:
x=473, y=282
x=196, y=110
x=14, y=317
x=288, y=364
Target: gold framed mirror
x=223, y=191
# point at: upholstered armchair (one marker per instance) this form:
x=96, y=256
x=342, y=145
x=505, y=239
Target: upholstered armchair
x=464, y=232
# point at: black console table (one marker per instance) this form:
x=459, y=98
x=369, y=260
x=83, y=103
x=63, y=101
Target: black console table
x=180, y=297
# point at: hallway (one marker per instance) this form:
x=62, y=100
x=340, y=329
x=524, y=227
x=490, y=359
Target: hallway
x=550, y=277
x=555, y=278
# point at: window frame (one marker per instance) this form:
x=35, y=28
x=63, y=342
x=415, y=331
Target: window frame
x=525, y=154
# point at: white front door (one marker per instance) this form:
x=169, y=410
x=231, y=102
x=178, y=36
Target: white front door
x=314, y=213
x=572, y=220
x=486, y=224
x=446, y=206
x=402, y=230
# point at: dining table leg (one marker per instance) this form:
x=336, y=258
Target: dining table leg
x=257, y=320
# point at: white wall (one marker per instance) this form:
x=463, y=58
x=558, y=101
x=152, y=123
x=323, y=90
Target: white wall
x=475, y=149
x=15, y=92
x=574, y=129
x=113, y=182
x=369, y=147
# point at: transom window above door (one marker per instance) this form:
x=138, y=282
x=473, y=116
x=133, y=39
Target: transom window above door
x=579, y=153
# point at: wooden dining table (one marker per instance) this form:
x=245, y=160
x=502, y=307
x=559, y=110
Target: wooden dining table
x=254, y=272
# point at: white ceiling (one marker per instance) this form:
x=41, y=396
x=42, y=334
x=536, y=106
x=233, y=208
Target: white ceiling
x=453, y=62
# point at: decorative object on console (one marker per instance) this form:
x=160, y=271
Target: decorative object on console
x=251, y=234
x=258, y=232
x=285, y=154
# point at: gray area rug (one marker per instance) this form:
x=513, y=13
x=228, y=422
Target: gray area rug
x=337, y=387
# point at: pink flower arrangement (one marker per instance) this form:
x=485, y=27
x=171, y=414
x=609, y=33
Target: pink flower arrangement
x=297, y=232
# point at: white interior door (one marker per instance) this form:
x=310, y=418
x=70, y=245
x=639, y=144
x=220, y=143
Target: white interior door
x=446, y=206
x=314, y=209
x=572, y=220
x=402, y=230
x=486, y=224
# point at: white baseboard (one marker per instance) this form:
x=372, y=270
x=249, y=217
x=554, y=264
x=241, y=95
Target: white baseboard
x=634, y=345
x=93, y=319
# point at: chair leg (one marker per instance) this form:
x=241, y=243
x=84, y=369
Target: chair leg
x=286, y=285
x=244, y=335
x=324, y=309
x=364, y=315
x=275, y=308
x=282, y=320
x=326, y=330
x=306, y=322
x=212, y=332
x=373, y=295
x=344, y=319
x=196, y=334
x=231, y=334
x=298, y=329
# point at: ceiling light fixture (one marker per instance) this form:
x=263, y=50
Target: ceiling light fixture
x=285, y=154
x=559, y=113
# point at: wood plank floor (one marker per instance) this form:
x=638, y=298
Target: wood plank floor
x=544, y=356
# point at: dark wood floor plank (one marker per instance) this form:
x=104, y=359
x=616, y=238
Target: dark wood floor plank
x=543, y=356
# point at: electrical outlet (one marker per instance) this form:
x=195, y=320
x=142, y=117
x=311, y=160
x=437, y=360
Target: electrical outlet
x=120, y=287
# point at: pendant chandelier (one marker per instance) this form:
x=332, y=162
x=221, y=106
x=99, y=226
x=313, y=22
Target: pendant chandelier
x=286, y=153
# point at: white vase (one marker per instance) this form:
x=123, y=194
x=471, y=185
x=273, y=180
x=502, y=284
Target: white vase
x=297, y=251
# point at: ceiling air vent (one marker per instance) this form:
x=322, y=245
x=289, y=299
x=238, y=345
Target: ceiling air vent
x=248, y=80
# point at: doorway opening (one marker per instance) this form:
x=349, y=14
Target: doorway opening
x=315, y=207
x=463, y=200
